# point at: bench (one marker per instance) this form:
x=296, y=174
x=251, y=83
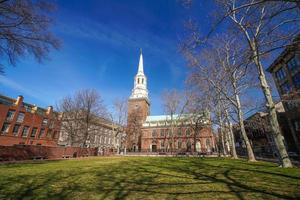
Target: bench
x=66, y=156
x=38, y=157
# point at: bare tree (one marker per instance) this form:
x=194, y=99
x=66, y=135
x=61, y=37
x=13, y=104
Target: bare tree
x=119, y=117
x=265, y=27
x=221, y=65
x=81, y=115
x=24, y=30
x=174, y=103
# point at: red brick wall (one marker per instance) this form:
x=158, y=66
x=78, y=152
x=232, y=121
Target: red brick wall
x=205, y=133
x=32, y=120
x=28, y=152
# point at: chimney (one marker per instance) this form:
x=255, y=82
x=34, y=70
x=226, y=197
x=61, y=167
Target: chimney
x=49, y=110
x=19, y=100
x=34, y=109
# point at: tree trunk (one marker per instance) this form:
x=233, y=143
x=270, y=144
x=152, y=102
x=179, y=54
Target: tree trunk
x=222, y=136
x=276, y=132
x=233, y=150
x=250, y=153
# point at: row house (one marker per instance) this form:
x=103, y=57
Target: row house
x=27, y=124
x=286, y=73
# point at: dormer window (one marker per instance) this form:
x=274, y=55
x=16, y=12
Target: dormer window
x=280, y=74
x=293, y=64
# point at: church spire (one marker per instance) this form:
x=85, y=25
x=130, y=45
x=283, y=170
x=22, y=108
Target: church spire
x=140, y=82
x=141, y=63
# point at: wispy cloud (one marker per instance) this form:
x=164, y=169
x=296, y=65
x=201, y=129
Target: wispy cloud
x=38, y=95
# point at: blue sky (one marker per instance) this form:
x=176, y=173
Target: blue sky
x=101, y=42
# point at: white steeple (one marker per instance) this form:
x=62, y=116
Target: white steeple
x=141, y=64
x=140, y=82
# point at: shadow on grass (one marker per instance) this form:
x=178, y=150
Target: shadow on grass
x=161, y=178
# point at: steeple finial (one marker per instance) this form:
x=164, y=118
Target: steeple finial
x=141, y=64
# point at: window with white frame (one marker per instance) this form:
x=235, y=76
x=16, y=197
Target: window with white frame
x=5, y=128
x=25, y=131
x=20, y=118
x=10, y=115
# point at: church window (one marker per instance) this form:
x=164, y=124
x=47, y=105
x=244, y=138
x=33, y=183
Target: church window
x=179, y=144
x=154, y=133
x=138, y=80
x=188, y=132
x=179, y=132
x=142, y=81
x=162, y=133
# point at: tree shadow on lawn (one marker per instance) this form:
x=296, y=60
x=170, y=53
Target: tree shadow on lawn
x=144, y=180
x=153, y=178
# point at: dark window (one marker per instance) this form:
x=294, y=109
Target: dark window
x=286, y=88
x=154, y=133
x=179, y=133
x=138, y=81
x=33, y=132
x=179, y=144
x=293, y=63
x=297, y=125
x=49, y=134
x=188, y=132
x=16, y=129
x=5, y=128
x=169, y=133
x=280, y=74
x=25, y=131
x=162, y=133
x=55, y=135
x=142, y=81
x=296, y=79
x=10, y=115
x=42, y=133
x=20, y=118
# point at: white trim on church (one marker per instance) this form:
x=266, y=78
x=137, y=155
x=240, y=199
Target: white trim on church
x=140, y=82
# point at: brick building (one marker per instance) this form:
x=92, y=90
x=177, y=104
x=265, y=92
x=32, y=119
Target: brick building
x=286, y=74
x=163, y=133
x=24, y=123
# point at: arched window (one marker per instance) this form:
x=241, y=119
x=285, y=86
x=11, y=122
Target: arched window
x=208, y=143
x=138, y=80
x=162, y=133
x=142, y=81
x=154, y=133
x=188, y=132
x=179, y=133
x=179, y=144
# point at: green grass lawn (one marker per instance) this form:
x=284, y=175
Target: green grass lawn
x=148, y=178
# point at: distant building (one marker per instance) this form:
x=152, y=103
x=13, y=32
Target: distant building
x=259, y=132
x=24, y=123
x=286, y=73
x=103, y=134
x=163, y=133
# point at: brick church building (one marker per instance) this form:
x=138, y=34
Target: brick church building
x=164, y=133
